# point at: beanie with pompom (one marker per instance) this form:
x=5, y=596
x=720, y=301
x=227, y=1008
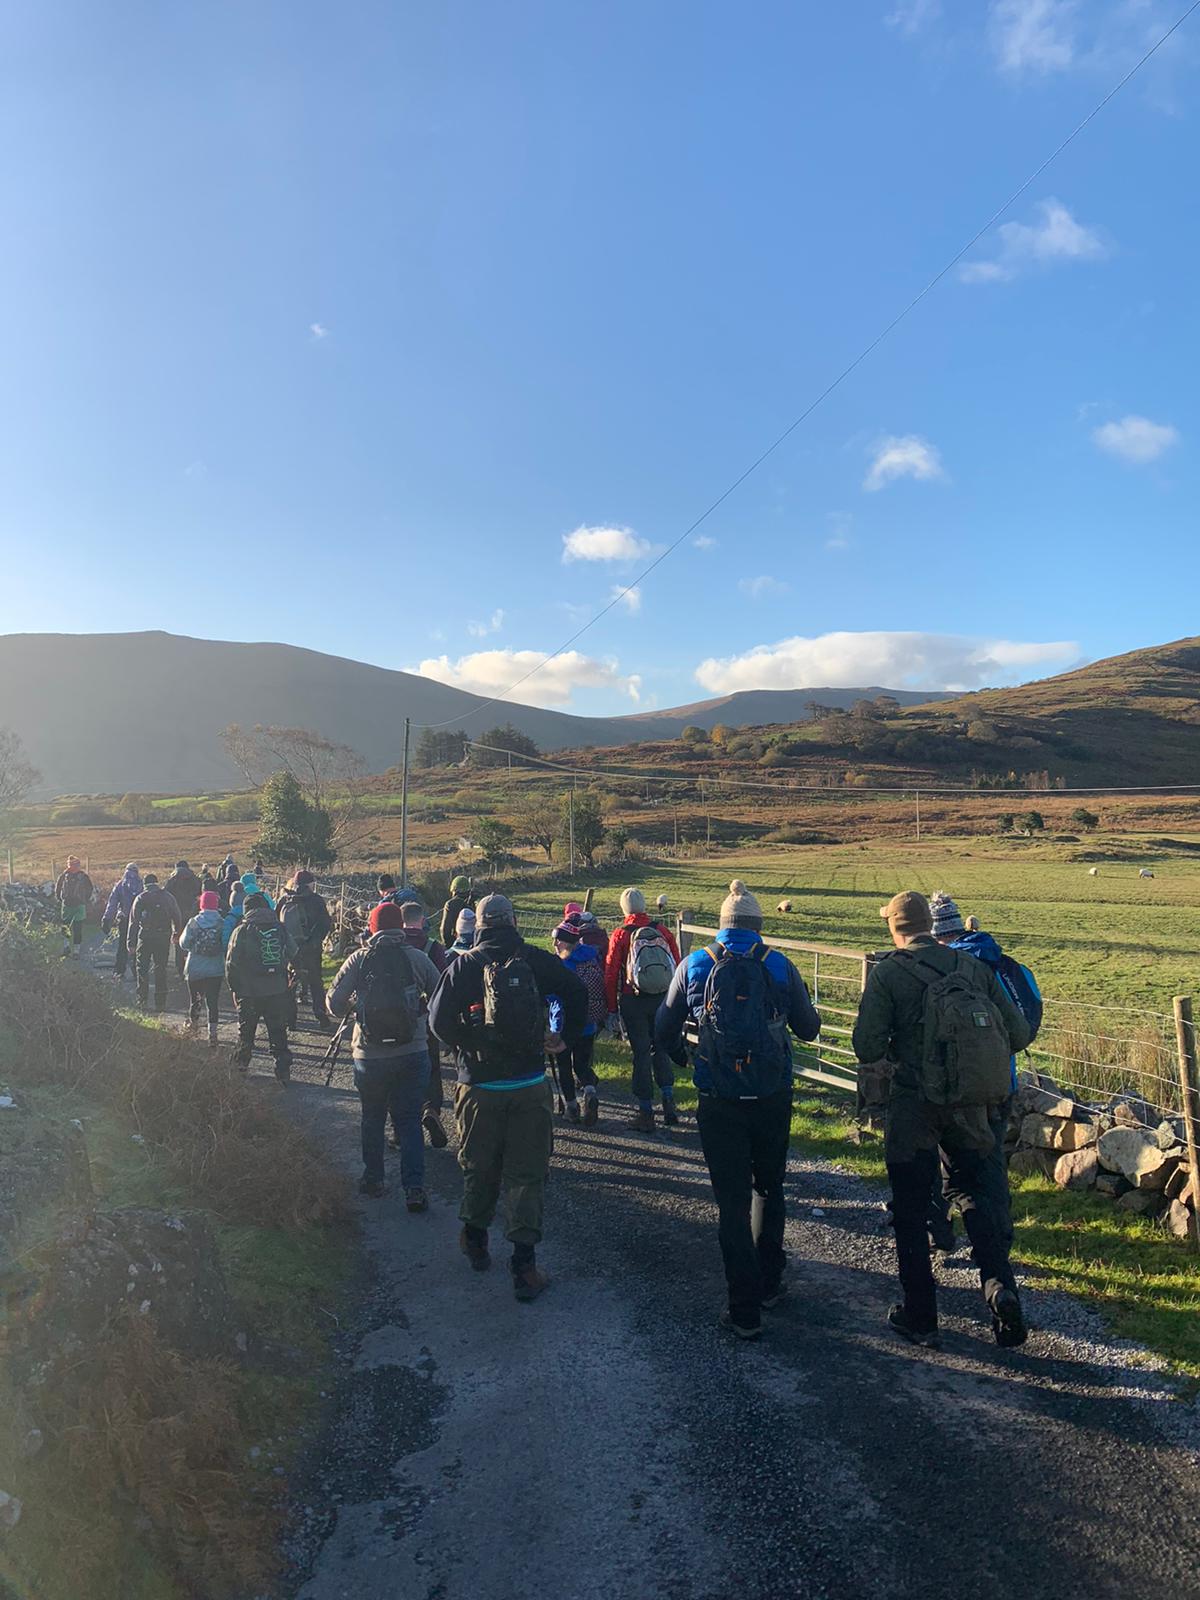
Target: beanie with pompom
x=739, y=905
x=633, y=901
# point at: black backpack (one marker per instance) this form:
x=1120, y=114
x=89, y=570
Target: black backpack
x=514, y=1017
x=156, y=920
x=743, y=1032
x=388, y=995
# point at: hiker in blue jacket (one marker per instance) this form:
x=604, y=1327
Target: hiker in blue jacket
x=1021, y=985
x=116, y=913
x=575, y=1061
x=742, y=999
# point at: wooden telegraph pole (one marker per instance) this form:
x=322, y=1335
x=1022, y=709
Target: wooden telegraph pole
x=1185, y=1039
x=404, y=809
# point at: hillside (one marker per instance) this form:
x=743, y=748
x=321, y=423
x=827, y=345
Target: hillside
x=758, y=708
x=108, y=713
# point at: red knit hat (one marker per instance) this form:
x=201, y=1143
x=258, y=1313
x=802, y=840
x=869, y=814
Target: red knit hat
x=384, y=916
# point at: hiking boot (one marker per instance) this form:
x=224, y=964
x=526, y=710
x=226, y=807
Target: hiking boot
x=529, y=1281
x=900, y=1322
x=284, y=1073
x=574, y=1113
x=642, y=1121
x=416, y=1199
x=475, y=1248
x=591, y=1108
x=372, y=1188
x=432, y=1124
x=942, y=1238
x=772, y=1297
x=740, y=1330
x=1008, y=1320
x=670, y=1114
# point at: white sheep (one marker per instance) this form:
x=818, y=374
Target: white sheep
x=1093, y=872
x=661, y=902
x=784, y=905
x=1145, y=873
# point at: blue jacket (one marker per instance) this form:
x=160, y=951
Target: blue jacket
x=124, y=892
x=581, y=956
x=984, y=948
x=197, y=966
x=685, y=997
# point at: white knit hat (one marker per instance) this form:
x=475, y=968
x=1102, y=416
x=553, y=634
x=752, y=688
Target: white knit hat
x=632, y=901
x=739, y=902
x=947, y=918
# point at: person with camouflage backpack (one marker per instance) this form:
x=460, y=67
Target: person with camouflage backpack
x=951, y=1028
x=256, y=970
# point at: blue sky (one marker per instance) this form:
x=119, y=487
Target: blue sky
x=406, y=331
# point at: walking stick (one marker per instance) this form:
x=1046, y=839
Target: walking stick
x=334, y=1046
x=560, y=1103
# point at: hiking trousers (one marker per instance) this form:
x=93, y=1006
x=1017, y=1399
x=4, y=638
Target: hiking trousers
x=651, y=1063
x=122, y=958
x=506, y=1137
x=575, y=1062
x=205, y=994
x=914, y=1132
x=154, y=953
x=994, y=1176
x=273, y=1010
x=435, y=1093
x=745, y=1144
x=395, y=1087
x=306, y=969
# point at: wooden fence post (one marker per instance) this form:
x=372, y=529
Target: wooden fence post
x=1185, y=1038
x=683, y=940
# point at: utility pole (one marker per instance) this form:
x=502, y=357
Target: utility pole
x=918, y=816
x=571, y=827
x=404, y=809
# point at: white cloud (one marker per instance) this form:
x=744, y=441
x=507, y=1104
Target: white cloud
x=490, y=672
x=906, y=456
x=480, y=630
x=1136, y=440
x=891, y=660
x=318, y=331
x=1033, y=35
x=910, y=16
x=704, y=541
x=1057, y=236
x=630, y=598
x=604, y=544
x=758, y=588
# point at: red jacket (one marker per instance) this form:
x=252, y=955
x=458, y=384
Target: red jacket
x=618, y=953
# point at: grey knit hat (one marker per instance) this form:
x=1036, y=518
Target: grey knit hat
x=632, y=901
x=947, y=918
x=738, y=905
x=494, y=910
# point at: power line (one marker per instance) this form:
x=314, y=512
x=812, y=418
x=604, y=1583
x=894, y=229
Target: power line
x=846, y=371
x=642, y=775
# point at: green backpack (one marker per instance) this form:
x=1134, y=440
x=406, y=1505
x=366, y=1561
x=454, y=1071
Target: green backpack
x=966, y=1057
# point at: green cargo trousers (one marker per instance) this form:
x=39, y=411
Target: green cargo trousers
x=506, y=1137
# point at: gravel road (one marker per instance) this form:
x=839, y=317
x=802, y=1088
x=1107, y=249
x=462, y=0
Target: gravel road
x=609, y=1441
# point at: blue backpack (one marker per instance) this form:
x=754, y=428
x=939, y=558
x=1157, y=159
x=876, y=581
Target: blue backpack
x=743, y=1034
x=1023, y=989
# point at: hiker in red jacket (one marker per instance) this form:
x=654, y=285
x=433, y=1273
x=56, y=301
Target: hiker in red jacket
x=642, y=957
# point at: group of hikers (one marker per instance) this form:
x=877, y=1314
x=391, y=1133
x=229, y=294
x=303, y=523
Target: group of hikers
x=941, y=1019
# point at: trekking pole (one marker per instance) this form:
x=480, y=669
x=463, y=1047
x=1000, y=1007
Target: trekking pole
x=560, y=1104
x=334, y=1046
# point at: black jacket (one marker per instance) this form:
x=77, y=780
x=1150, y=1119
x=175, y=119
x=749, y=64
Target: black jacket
x=154, y=898
x=461, y=986
x=185, y=887
x=244, y=973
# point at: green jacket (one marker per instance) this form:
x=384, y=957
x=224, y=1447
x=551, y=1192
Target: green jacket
x=890, y=1012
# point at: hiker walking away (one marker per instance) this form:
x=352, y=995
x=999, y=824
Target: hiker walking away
x=416, y=936
x=185, y=888
x=575, y=1061
x=951, y=1028
x=387, y=983
x=460, y=899
x=228, y=873
x=738, y=1000
x=116, y=914
x=256, y=970
x=950, y=929
x=203, y=944
x=73, y=891
x=642, y=958
x=154, y=921
x=464, y=934
x=305, y=915
x=251, y=885
x=590, y=930
x=490, y=1008
x=388, y=892
x=208, y=882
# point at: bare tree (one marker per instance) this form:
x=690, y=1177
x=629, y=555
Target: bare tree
x=17, y=777
x=536, y=815
x=329, y=774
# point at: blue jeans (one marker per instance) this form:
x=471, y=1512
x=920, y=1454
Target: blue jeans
x=397, y=1085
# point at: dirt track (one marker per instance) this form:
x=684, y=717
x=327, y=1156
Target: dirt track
x=609, y=1442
